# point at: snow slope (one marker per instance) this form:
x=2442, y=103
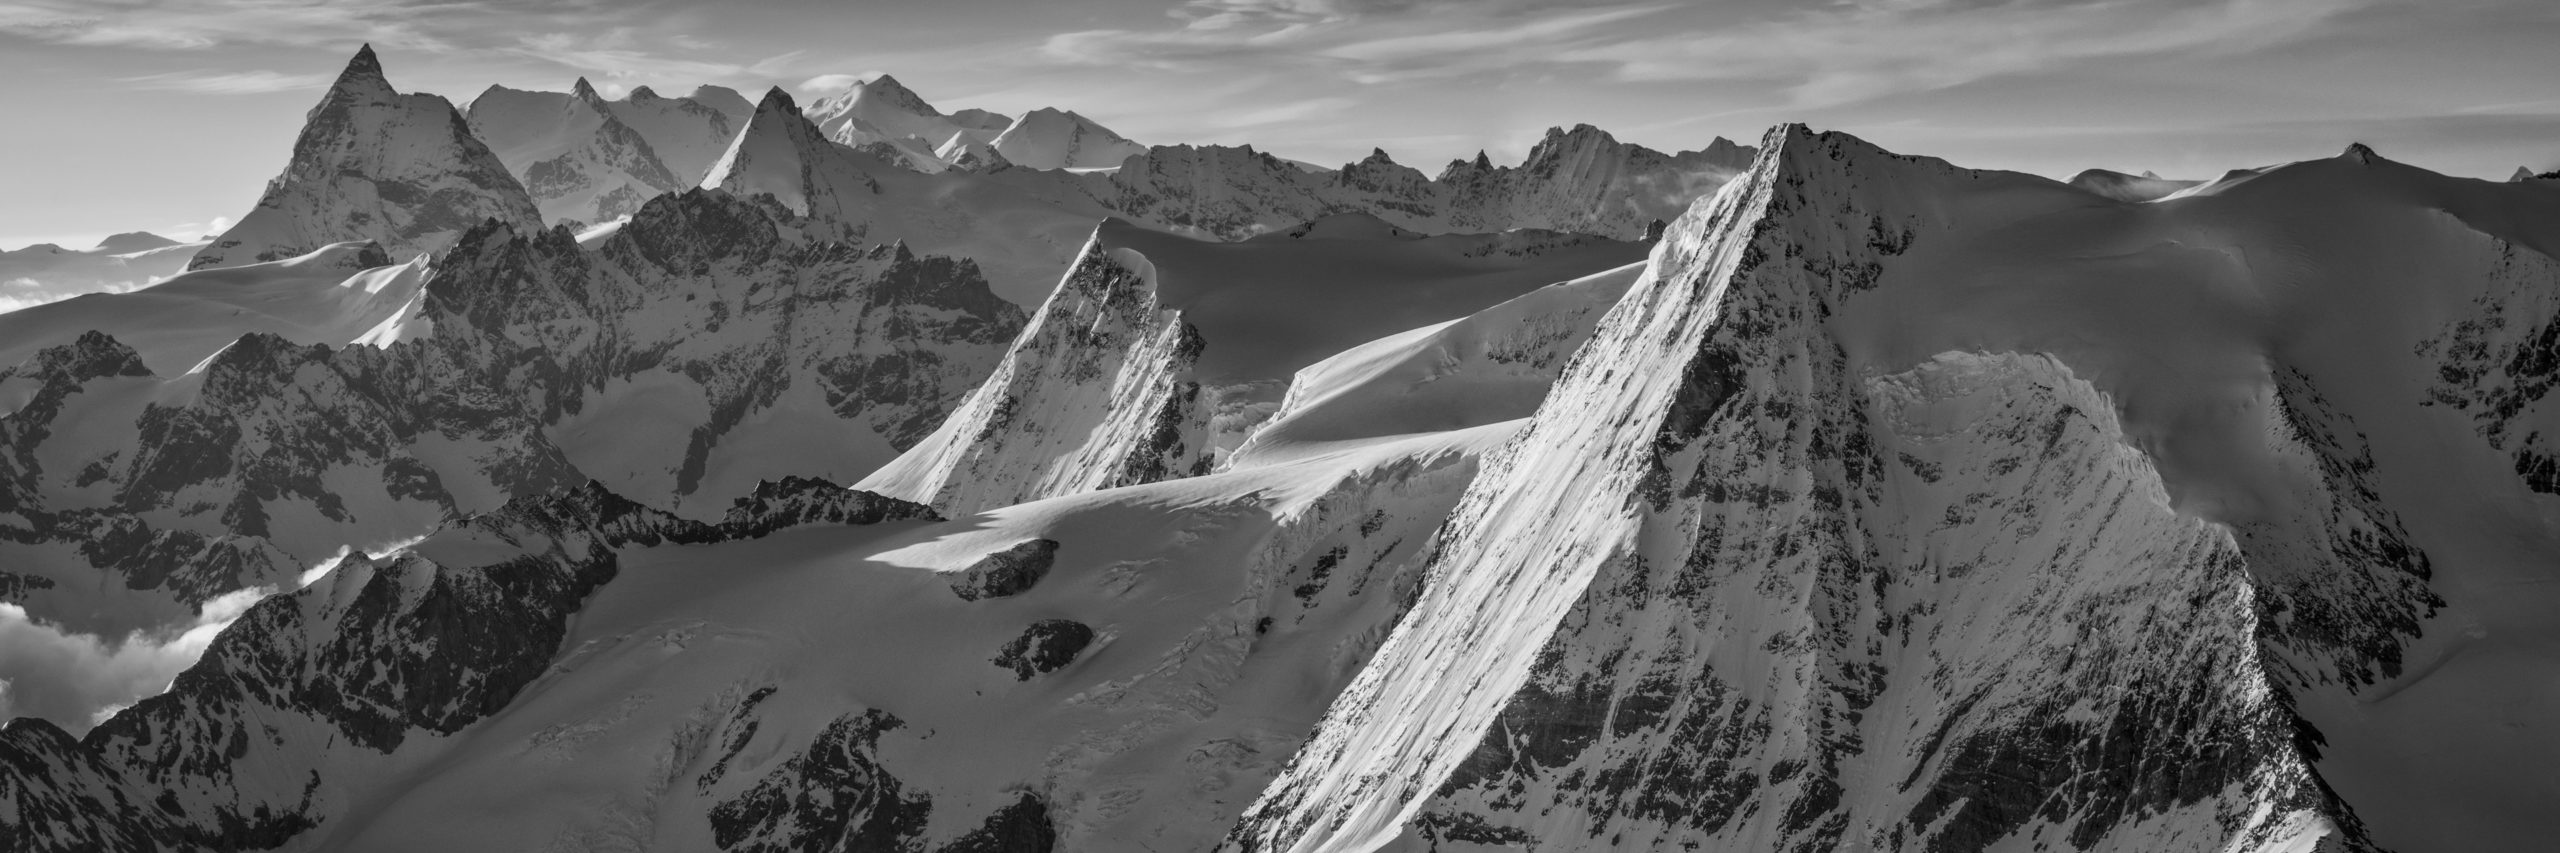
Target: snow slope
x=372, y=164
x=1048, y=138
x=331, y=296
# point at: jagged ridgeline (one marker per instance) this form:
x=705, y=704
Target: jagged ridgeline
x=1879, y=504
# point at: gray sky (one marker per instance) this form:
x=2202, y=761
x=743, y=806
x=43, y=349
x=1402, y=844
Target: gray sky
x=164, y=114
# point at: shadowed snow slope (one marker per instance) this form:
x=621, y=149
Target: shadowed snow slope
x=1157, y=352
x=330, y=296
x=402, y=171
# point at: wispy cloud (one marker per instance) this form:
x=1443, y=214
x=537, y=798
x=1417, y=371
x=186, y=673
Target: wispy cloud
x=1364, y=40
x=1828, y=54
x=1847, y=53
x=1293, y=111
x=228, y=83
x=604, y=39
x=626, y=53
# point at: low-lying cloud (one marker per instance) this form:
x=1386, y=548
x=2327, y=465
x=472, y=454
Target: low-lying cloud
x=79, y=680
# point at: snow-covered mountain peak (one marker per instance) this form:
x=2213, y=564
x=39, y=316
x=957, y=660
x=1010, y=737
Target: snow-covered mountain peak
x=585, y=91
x=781, y=154
x=890, y=92
x=374, y=164
x=1051, y=138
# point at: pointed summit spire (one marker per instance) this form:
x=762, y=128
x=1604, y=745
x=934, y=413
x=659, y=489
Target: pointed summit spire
x=363, y=74
x=403, y=171
x=363, y=63
x=585, y=91
x=776, y=99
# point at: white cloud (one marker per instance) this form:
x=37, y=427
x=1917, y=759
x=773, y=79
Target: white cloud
x=229, y=83
x=829, y=84
x=75, y=680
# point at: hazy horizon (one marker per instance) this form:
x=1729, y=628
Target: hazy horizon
x=184, y=108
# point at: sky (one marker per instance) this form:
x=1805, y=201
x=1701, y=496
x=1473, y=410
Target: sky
x=170, y=115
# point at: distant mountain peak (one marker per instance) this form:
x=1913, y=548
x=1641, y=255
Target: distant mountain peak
x=2360, y=153
x=585, y=91
x=641, y=93
x=373, y=164
x=889, y=89
x=134, y=241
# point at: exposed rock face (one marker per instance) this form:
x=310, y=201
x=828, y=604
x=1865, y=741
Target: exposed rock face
x=1776, y=600
x=1095, y=393
x=1044, y=647
x=827, y=359
x=1009, y=572
x=2501, y=363
x=372, y=164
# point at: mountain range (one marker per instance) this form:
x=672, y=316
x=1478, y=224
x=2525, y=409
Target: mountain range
x=694, y=473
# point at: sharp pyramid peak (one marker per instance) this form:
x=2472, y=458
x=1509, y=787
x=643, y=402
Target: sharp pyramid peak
x=363, y=71
x=585, y=91
x=364, y=62
x=777, y=99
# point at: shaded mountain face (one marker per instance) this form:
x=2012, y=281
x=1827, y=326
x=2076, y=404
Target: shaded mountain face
x=372, y=164
x=575, y=155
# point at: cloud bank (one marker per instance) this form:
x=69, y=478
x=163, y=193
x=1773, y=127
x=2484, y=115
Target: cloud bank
x=79, y=680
